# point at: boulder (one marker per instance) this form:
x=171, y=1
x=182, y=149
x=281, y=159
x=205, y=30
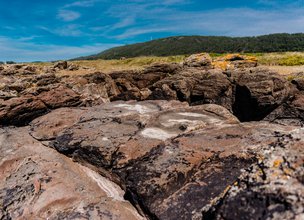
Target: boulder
x=298, y=80
x=59, y=97
x=196, y=86
x=258, y=92
x=135, y=85
x=171, y=68
x=20, y=110
x=73, y=67
x=94, y=89
x=198, y=60
x=61, y=65
x=290, y=112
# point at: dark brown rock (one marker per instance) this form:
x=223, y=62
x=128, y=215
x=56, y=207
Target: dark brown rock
x=196, y=86
x=20, y=110
x=198, y=60
x=59, y=97
x=94, y=89
x=62, y=65
x=290, y=112
x=180, y=162
x=298, y=80
x=258, y=92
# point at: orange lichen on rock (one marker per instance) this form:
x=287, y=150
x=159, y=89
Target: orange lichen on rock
x=234, y=61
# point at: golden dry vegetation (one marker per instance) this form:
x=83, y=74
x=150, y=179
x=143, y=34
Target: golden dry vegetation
x=284, y=63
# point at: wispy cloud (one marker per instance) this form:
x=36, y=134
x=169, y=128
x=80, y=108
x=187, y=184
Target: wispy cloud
x=28, y=51
x=68, y=15
x=71, y=30
x=139, y=31
x=84, y=3
x=87, y=23
x=224, y=21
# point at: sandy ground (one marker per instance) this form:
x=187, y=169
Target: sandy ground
x=286, y=70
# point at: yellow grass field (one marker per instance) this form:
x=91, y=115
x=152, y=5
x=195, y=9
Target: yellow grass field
x=284, y=63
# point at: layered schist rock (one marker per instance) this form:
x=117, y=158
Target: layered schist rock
x=154, y=159
x=181, y=162
x=258, y=92
x=251, y=94
x=39, y=183
x=47, y=90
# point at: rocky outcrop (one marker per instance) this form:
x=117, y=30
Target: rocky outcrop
x=64, y=65
x=176, y=161
x=198, y=60
x=251, y=94
x=61, y=65
x=18, y=69
x=290, y=112
x=196, y=156
x=258, y=92
x=39, y=183
x=233, y=61
x=135, y=85
x=196, y=86
x=20, y=110
x=273, y=187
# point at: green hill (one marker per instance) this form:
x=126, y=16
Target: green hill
x=183, y=45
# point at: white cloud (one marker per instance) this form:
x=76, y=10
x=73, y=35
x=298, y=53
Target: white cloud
x=20, y=51
x=139, y=31
x=229, y=21
x=84, y=3
x=71, y=30
x=68, y=15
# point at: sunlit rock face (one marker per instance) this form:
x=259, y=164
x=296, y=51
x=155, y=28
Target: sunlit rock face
x=176, y=161
x=39, y=183
x=171, y=141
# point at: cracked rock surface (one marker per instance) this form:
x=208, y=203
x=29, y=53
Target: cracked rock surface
x=174, y=161
x=39, y=183
x=200, y=142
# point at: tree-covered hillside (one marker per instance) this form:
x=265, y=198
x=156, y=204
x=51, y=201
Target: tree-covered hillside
x=184, y=45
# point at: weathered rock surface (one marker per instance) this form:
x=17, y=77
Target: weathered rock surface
x=154, y=159
x=196, y=86
x=290, y=112
x=198, y=60
x=232, y=61
x=249, y=93
x=258, y=92
x=20, y=110
x=39, y=183
x=181, y=162
x=54, y=91
x=273, y=187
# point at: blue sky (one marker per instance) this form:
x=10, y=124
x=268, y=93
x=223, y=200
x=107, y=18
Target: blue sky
x=61, y=29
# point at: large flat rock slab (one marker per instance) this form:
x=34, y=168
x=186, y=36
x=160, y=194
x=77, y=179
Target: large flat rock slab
x=175, y=161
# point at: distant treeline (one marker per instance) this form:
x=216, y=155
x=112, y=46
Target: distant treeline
x=184, y=45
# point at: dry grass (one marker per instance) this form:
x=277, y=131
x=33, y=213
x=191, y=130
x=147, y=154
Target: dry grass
x=284, y=63
x=282, y=59
x=286, y=70
x=107, y=66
